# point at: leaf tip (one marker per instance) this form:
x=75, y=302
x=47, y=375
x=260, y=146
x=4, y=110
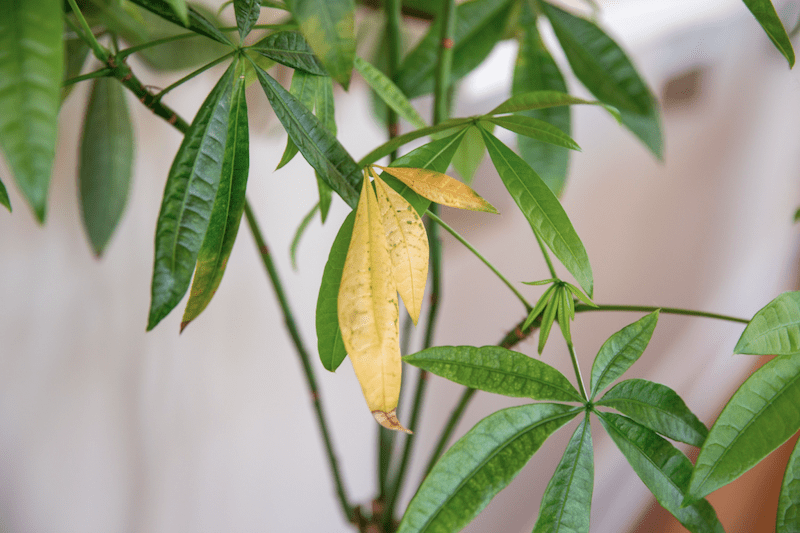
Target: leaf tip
x=389, y=420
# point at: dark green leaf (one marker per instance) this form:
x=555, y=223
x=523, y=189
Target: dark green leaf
x=393, y=144
x=535, y=100
x=498, y=370
x=567, y=502
x=325, y=104
x=765, y=14
x=656, y=407
x=31, y=69
x=329, y=27
x=479, y=26
x=329, y=337
x=664, y=470
x=189, y=199
x=620, y=351
x=480, y=464
x=75, y=54
x=763, y=414
x=535, y=70
x=788, y=520
x=389, y=92
x=181, y=10
x=325, y=199
x=298, y=234
x=247, y=12
x=304, y=87
x=536, y=129
x=470, y=154
x=106, y=161
x=197, y=22
x=320, y=148
x=4, y=197
x=602, y=66
x=228, y=206
x=542, y=209
x=290, y=49
x=775, y=329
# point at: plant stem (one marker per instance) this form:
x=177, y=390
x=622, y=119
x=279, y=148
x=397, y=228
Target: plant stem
x=666, y=310
x=87, y=34
x=486, y=262
x=442, y=84
x=447, y=432
x=102, y=73
x=160, y=95
x=288, y=317
x=577, y=368
x=546, y=257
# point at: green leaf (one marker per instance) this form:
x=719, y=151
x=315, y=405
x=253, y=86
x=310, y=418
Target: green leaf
x=393, y=144
x=664, y=470
x=325, y=198
x=565, y=313
x=548, y=317
x=788, y=520
x=181, y=10
x=761, y=415
x=535, y=70
x=325, y=104
x=4, y=197
x=656, y=407
x=567, y=501
x=498, y=370
x=535, y=100
x=31, y=68
x=189, y=199
x=542, y=209
x=603, y=68
x=620, y=351
x=544, y=299
x=765, y=14
x=290, y=49
x=479, y=26
x=536, y=129
x=304, y=87
x=436, y=156
x=470, y=154
x=228, y=206
x=389, y=92
x=298, y=234
x=774, y=329
x=196, y=22
x=329, y=27
x=106, y=161
x=480, y=464
x=319, y=146
x=247, y=12
x=75, y=54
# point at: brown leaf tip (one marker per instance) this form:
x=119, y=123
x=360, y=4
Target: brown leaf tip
x=389, y=420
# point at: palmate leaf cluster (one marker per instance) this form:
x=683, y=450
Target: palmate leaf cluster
x=44, y=50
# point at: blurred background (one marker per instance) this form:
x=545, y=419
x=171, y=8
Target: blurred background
x=104, y=427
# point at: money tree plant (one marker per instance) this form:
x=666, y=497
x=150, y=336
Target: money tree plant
x=387, y=249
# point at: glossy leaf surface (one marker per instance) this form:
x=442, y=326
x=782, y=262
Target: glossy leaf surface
x=664, y=470
x=481, y=464
x=389, y=92
x=189, y=200
x=31, y=67
x=106, y=161
x=774, y=329
x=567, y=501
x=318, y=145
x=498, y=370
x=536, y=129
x=329, y=27
x=290, y=48
x=765, y=14
x=440, y=188
x=196, y=21
x=228, y=207
x=656, y=407
x=304, y=87
x=542, y=209
x=620, y=351
x=788, y=519
x=763, y=414
x=247, y=12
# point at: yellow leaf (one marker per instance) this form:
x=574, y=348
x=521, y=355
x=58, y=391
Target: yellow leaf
x=440, y=188
x=408, y=246
x=368, y=312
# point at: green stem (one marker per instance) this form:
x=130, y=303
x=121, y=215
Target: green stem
x=291, y=325
x=102, y=73
x=486, y=262
x=87, y=34
x=577, y=369
x=666, y=310
x=445, y=61
x=150, y=44
x=160, y=95
x=546, y=257
x=447, y=432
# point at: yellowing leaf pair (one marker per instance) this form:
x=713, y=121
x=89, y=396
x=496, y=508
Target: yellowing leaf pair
x=388, y=254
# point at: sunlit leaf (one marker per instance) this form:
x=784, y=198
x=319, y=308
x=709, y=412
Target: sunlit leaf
x=498, y=370
x=228, y=207
x=762, y=414
x=542, y=210
x=788, y=520
x=408, y=246
x=389, y=92
x=31, y=68
x=765, y=14
x=247, y=12
x=329, y=27
x=290, y=49
x=664, y=470
x=368, y=312
x=620, y=351
x=106, y=161
x=536, y=129
x=656, y=407
x=774, y=329
x=188, y=200
x=567, y=501
x=481, y=464
x=440, y=188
